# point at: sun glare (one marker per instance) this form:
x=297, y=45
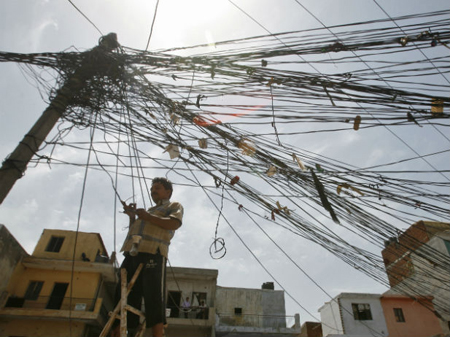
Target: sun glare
x=184, y=23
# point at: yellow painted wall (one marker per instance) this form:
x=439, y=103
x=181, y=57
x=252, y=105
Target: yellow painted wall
x=16, y=278
x=41, y=328
x=88, y=243
x=85, y=285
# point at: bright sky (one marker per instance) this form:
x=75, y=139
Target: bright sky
x=48, y=196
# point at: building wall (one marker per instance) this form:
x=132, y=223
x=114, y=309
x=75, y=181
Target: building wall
x=11, y=252
x=397, y=254
x=419, y=321
x=189, y=281
x=353, y=326
x=331, y=319
x=441, y=284
x=257, y=334
x=84, y=294
x=430, y=279
x=84, y=289
x=88, y=243
x=414, y=268
x=260, y=307
x=311, y=329
x=40, y=328
x=193, y=280
x=83, y=285
x=272, y=305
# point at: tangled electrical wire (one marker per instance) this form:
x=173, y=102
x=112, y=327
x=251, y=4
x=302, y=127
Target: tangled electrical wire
x=229, y=115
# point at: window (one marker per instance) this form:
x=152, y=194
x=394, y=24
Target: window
x=55, y=244
x=14, y=302
x=174, y=302
x=398, y=312
x=361, y=311
x=447, y=244
x=197, y=298
x=33, y=290
x=57, y=296
x=238, y=311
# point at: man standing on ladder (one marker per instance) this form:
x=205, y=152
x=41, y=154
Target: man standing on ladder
x=148, y=242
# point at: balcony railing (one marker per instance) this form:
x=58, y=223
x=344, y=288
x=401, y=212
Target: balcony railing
x=52, y=302
x=194, y=317
x=83, y=309
x=255, y=321
x=192, y=313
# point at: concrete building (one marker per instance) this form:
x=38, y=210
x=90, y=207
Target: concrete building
x=417, y=264
x=409, y=317
x=11, y=253
x=353, y=314
x=66, y=285
x=254, y=312
x=199, y=285
x=311, y=329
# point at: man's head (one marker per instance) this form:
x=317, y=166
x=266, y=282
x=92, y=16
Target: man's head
x=161, y=189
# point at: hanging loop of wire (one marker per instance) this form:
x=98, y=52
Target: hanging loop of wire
x=217, y=249
x=219, y=243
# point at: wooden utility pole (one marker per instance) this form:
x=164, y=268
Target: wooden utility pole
x=14, y=166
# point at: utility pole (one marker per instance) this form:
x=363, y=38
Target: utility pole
x=15, y=164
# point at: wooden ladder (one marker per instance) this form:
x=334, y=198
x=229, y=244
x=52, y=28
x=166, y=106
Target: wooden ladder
x=121, y=309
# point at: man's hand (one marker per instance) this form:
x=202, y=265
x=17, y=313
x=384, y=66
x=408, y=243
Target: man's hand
x=130, y=209
x=141, y=213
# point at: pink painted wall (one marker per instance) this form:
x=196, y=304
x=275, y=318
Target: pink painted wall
x=419, y=321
